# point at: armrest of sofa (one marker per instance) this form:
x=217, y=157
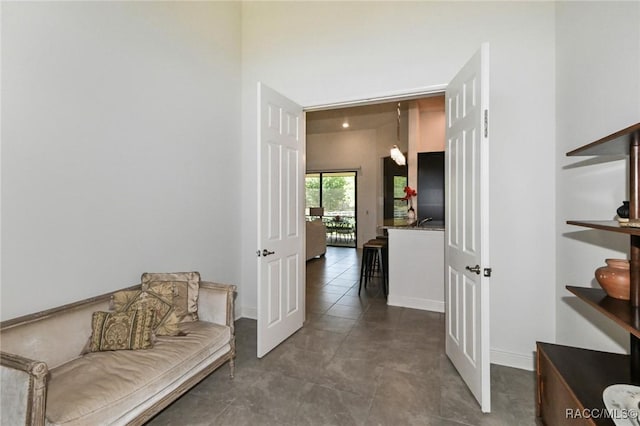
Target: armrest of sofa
x=216, y=303
x=24, y=390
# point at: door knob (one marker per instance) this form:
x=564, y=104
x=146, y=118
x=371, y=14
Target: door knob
x=266, y=252
x=475, y=269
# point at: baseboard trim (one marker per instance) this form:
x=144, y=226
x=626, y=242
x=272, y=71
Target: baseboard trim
x=248, y=312
x=512, y=359
x=415, y=303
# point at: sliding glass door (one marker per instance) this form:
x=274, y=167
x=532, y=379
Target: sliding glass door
x=335, y=192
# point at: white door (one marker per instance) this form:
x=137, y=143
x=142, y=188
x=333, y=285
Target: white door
x=281, y=276
x=467, y=219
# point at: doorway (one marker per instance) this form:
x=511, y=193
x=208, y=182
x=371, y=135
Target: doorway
x=359, y=138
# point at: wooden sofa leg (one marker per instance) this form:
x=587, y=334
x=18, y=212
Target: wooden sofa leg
x=232, y=368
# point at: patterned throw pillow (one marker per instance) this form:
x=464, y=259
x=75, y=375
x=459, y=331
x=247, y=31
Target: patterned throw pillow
x=186, y=284
x=180, y=299
x=113, y=331
x=159, y=301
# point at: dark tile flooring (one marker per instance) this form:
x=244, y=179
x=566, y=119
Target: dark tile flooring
x=356, y=361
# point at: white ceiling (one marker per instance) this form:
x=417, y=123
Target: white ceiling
x=365, y=117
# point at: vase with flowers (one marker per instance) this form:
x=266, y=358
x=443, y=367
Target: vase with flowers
x=409, y=194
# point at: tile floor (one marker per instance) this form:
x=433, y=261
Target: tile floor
x=356, y=361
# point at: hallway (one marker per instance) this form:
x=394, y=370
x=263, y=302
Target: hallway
x=356, y=361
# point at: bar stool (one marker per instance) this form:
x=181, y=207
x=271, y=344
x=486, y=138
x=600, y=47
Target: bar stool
x=374, y=257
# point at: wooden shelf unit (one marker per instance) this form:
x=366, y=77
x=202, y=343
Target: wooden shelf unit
x=574, y=379
x=620, y=311
x=606, y=225
x=571, y=378
x=618, y=143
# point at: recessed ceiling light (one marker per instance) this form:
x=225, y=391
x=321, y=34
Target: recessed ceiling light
x=345, y=125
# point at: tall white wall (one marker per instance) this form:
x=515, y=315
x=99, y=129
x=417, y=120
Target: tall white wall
x=598, y=93
x=322, y=52
x=120, y=140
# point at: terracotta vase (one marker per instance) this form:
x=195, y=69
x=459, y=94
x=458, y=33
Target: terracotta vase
x=614, y=278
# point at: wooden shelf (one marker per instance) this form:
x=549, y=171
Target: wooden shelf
x=607, y=225
x=570, y=378
x=619, y=311
x=588, y=373
x=615, y=144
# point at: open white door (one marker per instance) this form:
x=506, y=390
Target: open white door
x=467, y=232
x=281, y=275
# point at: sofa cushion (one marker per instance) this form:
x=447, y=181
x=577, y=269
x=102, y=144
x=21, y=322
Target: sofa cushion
x=187, y=285
x=113, y=331
x=316, y=239
x=160, y=301
x=100, y=387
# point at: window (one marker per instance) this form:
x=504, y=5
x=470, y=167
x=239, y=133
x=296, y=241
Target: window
x=336, y=192
x=399, y=204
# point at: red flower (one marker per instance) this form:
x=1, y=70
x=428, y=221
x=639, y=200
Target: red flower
x=409, y=192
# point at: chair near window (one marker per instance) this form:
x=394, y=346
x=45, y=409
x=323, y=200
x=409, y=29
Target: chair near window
x=345, y=232
x=333, y=228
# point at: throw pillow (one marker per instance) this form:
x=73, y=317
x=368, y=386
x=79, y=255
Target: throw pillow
x=187, y=285
x=121, y=298
x=160, y=301
x=180, y=298
x=113, y=331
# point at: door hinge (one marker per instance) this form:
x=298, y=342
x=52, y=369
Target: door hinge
x=487, y=272
x=486, y=123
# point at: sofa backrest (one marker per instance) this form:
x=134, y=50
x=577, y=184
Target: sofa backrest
x=55, y=336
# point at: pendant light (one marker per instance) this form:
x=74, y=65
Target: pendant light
x=396, y=154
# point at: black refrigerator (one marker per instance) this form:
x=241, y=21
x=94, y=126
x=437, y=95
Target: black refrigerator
x=431, y=186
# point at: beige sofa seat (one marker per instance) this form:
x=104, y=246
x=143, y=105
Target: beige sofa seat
x=103, y=387
x=316, y=244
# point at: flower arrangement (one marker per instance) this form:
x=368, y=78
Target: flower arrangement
x=409, y=194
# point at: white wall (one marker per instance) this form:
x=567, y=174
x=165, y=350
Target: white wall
x=322, y=52
x=120, y=140
x=598, y=93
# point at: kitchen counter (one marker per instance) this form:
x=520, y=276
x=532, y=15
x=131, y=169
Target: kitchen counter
x=416, y=267
x=411, y=225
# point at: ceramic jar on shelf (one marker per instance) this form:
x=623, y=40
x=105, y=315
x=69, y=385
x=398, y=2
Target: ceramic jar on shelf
x=614, y=278
x=623, y=212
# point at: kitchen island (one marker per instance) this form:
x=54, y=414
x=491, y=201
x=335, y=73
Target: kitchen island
x=416, y=265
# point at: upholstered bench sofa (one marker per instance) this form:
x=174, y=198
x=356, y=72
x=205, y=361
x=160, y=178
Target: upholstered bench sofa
x=56, y=370
x=316, y=239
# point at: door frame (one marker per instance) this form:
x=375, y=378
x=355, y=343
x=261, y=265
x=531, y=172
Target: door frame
x=395, y=96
